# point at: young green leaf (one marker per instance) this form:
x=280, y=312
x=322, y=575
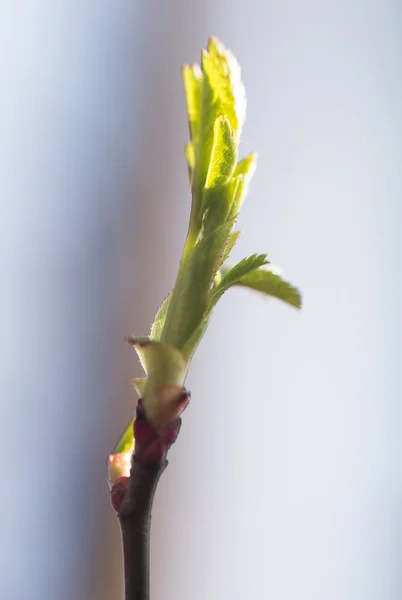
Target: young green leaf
x=272, y=284
x=192, y=79
x=247, y=166
x=223, y=96
x=190, y=297
x=216, y=106
x=235, y=274
x=234, y=236
x=189, y=153
x=224, y=155
x=224, y=74
x=191, y=344
x=157, y=327
x=242, y=176
x=217, y=201
x=244, y=266
x=217, y=196
x=126, y=441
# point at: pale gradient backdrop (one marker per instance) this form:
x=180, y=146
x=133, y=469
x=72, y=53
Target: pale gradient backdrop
x=286, y=480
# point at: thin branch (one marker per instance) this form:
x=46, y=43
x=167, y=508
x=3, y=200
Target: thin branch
x=132, y=498
x=135, y=522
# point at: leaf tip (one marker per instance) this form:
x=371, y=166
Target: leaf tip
x=132, y=340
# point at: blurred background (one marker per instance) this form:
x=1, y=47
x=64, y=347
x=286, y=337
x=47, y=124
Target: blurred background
x=286, y=480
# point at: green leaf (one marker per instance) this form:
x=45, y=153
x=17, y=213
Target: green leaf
x=247, y=166
x=190, y=346
x=217, y=201
x=157, y=327
x=189, y=153
x=223, y=156
x=224, y=75
x=190, y=297
x=234, y=236
x=244, y=266
x=192, y=79
x=218, y=196
x=126, y=441
x=272, y=284
x=205, y=139
x=235, y=274
x=223, y=96
x=242, y=176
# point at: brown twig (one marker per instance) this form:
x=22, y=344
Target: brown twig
x=132, y=499
x=135, y=521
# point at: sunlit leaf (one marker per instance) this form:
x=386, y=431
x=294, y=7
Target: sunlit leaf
x=189, y=153
x=272, y=284
x=242, y=176
x=235, y=274
x=223, y=96
x=192, y=79
x=190, y=298
x=224, y=74
x=224, y=155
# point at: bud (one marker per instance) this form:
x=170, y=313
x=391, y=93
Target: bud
x=118, y=492
x=119, y=466
x=151, y=444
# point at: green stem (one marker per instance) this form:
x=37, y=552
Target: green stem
x=173, y=317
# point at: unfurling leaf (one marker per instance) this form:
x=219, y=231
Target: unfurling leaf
x=234, y=275
x=192, y=79
x=189, y=153
x=223, y=96
x=190, y=297
x=191, y=344
x=126, y=441
x=272, y=284
x=224, y=155
x=243, y=267
x=234, y=236
x=242, y=176
x=224, y=76
x=216, y=108
x=157, y=327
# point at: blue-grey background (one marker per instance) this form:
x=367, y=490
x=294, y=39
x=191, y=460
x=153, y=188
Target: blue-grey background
x=286, y=480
